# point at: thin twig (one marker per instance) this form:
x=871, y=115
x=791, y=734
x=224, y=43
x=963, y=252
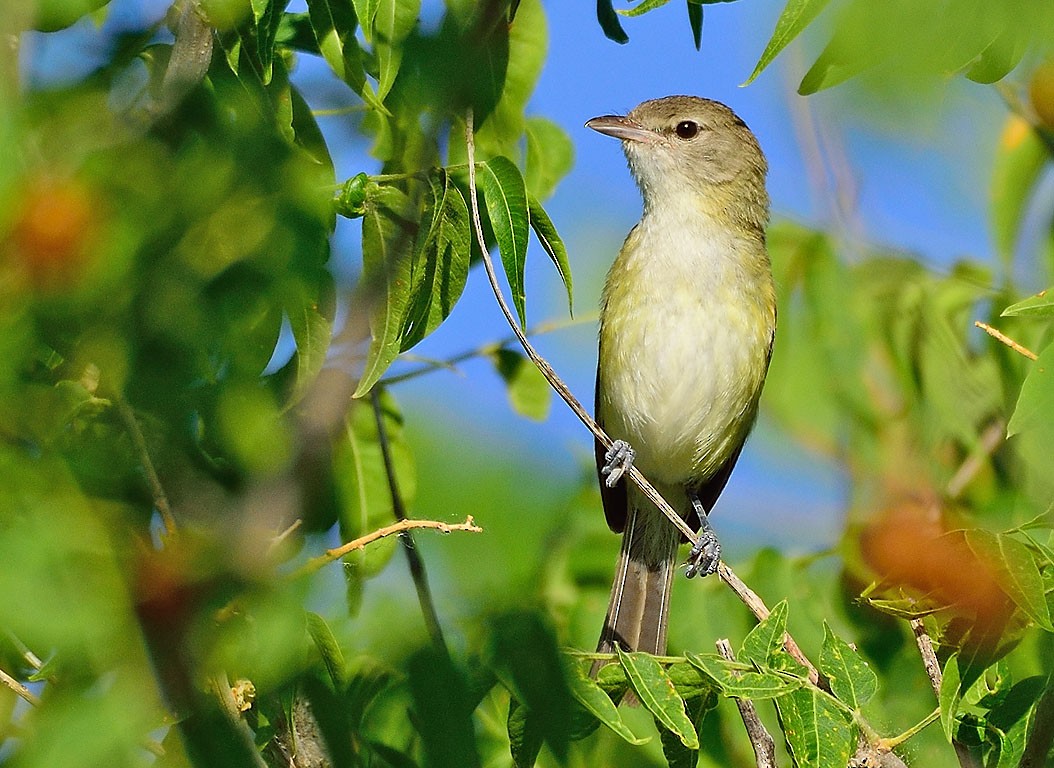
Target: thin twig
x=998, y=335
x=760, y=739
x=280, y=539
x=1042, y=736
x=18, y=688
x=990, y=439
x=413, y=555
x=131, y=423
x=336, y=553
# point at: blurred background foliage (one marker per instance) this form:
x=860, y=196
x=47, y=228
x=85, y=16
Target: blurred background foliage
x=196, y=404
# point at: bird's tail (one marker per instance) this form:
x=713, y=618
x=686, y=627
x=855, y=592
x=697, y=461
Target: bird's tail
x=640, y=594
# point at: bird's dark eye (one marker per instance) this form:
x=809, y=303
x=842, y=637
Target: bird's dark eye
x=687, y=129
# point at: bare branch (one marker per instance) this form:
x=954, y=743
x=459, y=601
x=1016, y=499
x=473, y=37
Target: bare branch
x=18, y=688
x=998, y=335
x=131, y=423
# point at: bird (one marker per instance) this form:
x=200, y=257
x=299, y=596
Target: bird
x=687, y=324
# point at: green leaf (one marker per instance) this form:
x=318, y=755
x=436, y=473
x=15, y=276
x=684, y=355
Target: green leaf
x=949, y=695
x=592, y=697
x=311, y=332
x=442, y=710
x=738, y=679
x=334, y=24
x=393, y=22
x=643, y=7
x=506, y=197
x=695, y=21
x=366, y=12
x=1019, y=159
x=852, y=680
x=1035, y=404
x=547, y=235
x=656, y=692
x=819, y=734
x=388, y=232
x=525, y=737
x=550, y=155
x=1015, y=570
x=328, y=649
x=1040, y=305
x=529, y=393
x=610, y=23
x=796, y=16
x=1000, y=57
x=766, y=638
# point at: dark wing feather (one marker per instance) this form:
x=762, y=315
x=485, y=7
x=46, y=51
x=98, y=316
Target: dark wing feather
x=614, y=498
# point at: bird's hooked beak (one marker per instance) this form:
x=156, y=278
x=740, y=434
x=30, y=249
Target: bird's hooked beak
x=623, y=128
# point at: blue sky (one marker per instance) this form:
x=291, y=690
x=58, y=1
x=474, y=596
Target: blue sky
x=920, y=184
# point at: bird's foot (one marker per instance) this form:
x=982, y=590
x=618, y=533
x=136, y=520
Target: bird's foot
x=617, y=461
x=705, y=555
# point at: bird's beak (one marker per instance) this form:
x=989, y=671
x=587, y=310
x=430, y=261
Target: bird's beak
x=623, y=128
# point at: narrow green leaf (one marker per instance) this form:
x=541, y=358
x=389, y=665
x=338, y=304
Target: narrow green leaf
x=550, y=155
x=506, y=198
x=334, y=23
x=656, y=692
x=311, y=332
x=393, y=22
x=328, y=649
x=1035, y=404
x=610, y=23
x=643, y=7
x=1019, y=159
x=739, y=680
x=366, y=12
x=592, y=697
x=525, y=737
x=550, y=239
x=1016, y=571
x=529, y=393
x=852, y=680
x=949, y=696
x=818, y=733
x=796, y=16
x=766, y=638
x=388, y=234
x=695, y=20
x=1040, y=305
x=1000, y=57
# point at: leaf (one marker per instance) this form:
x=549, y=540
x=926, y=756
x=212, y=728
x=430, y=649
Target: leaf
x=737, y=679
x=643, y=7
x=1019, y=159
x=328, y=649
x=442, y=710
x=366, y=12
x=1040, y=305
x=525, y=738
x=334, y=24
x=311, y=332
x=1015, y=570
x=1000, y=57
x=529, y=393
x=796, y=16
x=592, y=697
x=656, y=692
x=609, y=22
x=852, y=680
x=553, y=245
x=439, y=270
x=506, y=198
x=819, y=734
x=388, y=233
x=695, y=21
x=550, y=155
x=1035, y=404
x=393, y=22
x=949, y=695
x=766, y=638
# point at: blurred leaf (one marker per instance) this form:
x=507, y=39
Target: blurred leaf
x=328, y=649
x=525, y=737
x=695, y=21
x=442, y=711
x=593, y=698
x=1016, y=572
x=553, y=245
x=949, y=695
x=311, y=332
x=1040, y=305
x=389, y=228
x=1019, y=158
x=852, y=680
x=609, y=22
x=643, y=7
x=334, y=23
x=1002, y=55
x=506, y=198
x=766, y=638
x=1035, y=404
x=550, y=155
x=528, y=391
x=393, y=22
x=817, y=731
x=796, y=16
x=656, y=692
x=738, y=679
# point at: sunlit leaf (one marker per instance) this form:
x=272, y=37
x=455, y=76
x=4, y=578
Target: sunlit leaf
x=506, y=197
x=642, y=7
x=741, y=680
x=334, y=23
x=592, y=697
x=796, y=16
x=1016, y=572
x=550, y=155
x=393, y=22
x=851, y=679
x=1040, y=305
x=1035, y=404
x=766, y=638
x=547, y=235
x=817, y=731
x=656, y=692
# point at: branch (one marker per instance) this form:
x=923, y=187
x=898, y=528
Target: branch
x=413, y=555
x=760, y=739
x=131, y=423
x=330, y=555
x=998, y=335
x=18, y=688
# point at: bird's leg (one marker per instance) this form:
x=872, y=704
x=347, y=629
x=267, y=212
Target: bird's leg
x=617, y=462
x=706, y=552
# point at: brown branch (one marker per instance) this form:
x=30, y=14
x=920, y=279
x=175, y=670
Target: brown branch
x=131, y=423
x=760, y=739
x=998, y=335
x=336, y=553
x=18, y=688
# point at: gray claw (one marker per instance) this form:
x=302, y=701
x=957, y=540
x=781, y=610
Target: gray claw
x=705, y=555
x=617, y=462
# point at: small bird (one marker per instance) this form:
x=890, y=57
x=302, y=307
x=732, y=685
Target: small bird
x=687, y=322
